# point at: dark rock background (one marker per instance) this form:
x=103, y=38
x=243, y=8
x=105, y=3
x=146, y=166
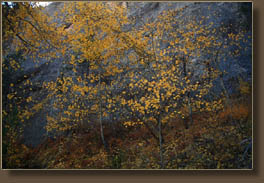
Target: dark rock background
x=238, y=14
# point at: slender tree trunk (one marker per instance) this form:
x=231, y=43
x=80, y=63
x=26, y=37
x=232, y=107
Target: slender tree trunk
x=221, y=77
x=161, y=144
x=224, y=88
x=190, y=108
x=188, y=96
x=101, y=117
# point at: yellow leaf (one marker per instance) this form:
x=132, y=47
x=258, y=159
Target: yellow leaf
x=219, y=165
x=140, y=144
x=29, y=99
x=10, y=96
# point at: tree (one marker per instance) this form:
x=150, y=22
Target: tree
x=176, y=75
x=97, y=41
x=149, y=74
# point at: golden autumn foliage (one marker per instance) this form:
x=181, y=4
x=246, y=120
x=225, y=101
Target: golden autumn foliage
x=125, y=97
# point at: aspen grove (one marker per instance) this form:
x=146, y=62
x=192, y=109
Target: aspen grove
x=130, y=93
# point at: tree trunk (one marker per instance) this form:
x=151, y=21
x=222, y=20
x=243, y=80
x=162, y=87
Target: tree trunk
x=190, y=108
x=224, y=88
x=161, y=144
x=222, y=77
x=188, y=96
x=100, y=118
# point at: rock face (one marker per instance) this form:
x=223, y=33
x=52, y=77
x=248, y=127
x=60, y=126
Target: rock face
x=146, y=10
x=42, y=71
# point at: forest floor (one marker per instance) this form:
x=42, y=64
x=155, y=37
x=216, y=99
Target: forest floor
x=214, y=141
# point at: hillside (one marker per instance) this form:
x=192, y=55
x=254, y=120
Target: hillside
x=131, y=85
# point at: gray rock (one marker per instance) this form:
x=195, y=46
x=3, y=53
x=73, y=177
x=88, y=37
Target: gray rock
x=44, y=71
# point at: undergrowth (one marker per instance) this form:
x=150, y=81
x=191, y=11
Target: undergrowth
x=214, y=141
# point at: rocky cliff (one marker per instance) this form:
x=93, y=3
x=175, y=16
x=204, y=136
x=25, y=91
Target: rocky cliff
x=39, y=71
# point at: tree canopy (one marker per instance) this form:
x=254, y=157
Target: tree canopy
x=112, y=71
